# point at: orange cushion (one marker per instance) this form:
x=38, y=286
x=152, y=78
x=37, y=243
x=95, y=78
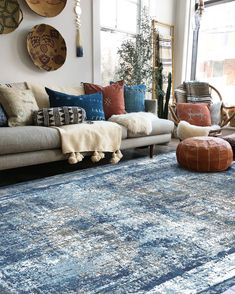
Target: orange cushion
x=113, y=97
x=197, y=114
x=204, y=154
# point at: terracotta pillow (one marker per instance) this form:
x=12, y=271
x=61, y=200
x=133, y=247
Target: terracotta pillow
x=196, y=114
x=113, y=97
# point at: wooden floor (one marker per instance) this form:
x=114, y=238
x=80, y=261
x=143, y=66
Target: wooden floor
x=18, y=175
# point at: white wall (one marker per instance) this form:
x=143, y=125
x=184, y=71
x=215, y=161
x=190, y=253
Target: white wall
x=16, y=65
x=163, y=10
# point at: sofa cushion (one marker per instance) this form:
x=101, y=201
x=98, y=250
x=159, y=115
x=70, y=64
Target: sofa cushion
x=31, y=138
x=92, y=104
x=159, y=127
x=41, y=95
x=28, y=138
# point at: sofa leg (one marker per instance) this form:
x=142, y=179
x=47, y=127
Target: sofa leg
x=151, y=150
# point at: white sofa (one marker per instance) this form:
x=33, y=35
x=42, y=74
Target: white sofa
x=30, y=145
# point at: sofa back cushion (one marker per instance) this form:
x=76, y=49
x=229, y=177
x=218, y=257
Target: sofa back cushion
x=197, y=114
x=113, y=97
x=92, y=104
x=59, y=116
x=19, y=105
x=42, y=97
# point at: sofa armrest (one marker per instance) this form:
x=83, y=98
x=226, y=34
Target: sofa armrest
x=151, y=105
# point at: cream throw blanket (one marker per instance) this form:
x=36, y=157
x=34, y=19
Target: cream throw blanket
x=97, y=137
x=135, y=122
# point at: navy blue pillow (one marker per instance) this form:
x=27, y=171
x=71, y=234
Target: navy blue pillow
x=134, y=98
x=92, y=103
x=3, y=118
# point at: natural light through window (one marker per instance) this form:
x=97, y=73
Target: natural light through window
x=216, y=49
x=118, y=20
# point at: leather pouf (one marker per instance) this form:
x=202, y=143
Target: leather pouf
x=204, y=154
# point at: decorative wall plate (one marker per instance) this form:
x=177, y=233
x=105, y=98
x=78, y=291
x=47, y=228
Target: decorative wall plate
x=46, y=47
x=10, y=16
x=47, y=8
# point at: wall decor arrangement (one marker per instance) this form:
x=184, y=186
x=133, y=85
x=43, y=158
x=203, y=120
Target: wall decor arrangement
x=46, y=47
x=46, y=8
x=78, y=11
x=10, y=16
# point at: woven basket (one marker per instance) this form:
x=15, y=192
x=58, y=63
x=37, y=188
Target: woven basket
x=10, y=16
x=46, y=47
x=47, y=8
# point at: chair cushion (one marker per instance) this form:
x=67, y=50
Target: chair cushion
x=196, y=114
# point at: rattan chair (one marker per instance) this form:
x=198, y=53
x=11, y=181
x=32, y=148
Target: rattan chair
x=224, y=118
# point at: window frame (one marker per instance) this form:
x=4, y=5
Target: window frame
x=196, y=33
x=115, y=29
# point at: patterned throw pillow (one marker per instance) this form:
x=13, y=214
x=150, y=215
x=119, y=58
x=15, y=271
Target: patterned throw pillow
x=113, y=96
x=59, y=116
x=198, y=92
x=19, y=105
x=134, y=97
x=196, y=114
x=3, y=118
x=92, y=104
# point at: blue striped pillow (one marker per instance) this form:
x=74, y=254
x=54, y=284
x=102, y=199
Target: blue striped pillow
x=92, y=103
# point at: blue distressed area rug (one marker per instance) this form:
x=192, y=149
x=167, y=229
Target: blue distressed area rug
x=142, y=226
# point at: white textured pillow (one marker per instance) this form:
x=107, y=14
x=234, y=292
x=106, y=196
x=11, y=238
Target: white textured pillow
x=215, y=110
x=19, y=106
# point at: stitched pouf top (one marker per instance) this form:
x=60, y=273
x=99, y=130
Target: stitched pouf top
x=204, y=154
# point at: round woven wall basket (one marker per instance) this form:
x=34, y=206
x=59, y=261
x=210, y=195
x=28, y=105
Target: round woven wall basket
x=10, y=16
x=46, y=47
x=47, y=8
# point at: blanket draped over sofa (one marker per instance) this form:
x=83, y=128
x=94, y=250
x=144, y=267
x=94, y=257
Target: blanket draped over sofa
x=135, y=122
x=97, y=137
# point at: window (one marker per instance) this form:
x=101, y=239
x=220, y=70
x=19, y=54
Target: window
x=118, y=20
x=216, y=47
